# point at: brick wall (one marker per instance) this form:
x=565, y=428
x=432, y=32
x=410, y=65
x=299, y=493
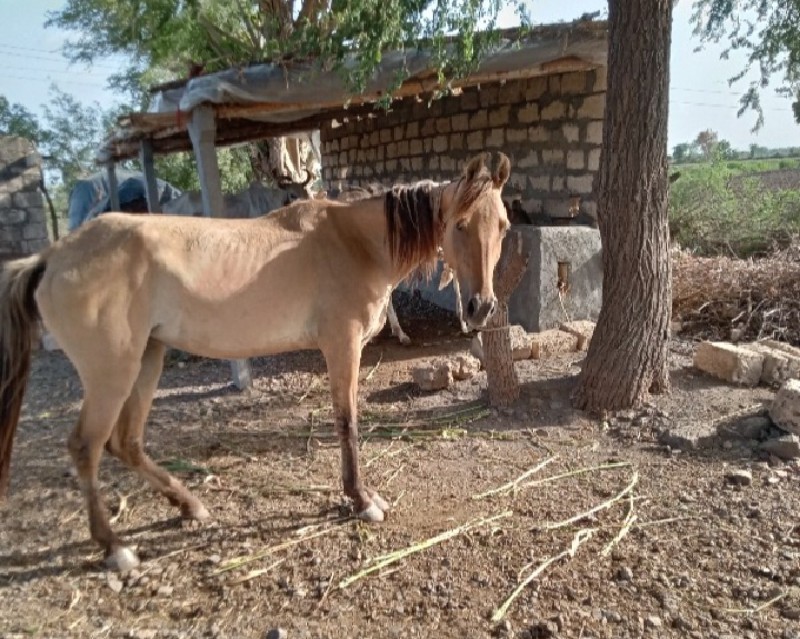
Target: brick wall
x=551, y=127
x=23, y=225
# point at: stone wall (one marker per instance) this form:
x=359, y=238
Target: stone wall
x=23, y=224
x=550, y=126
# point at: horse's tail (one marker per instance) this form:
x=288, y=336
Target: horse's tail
x=18, y=328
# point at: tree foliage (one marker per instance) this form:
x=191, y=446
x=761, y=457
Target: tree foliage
x=768, y=31
x=15, y=119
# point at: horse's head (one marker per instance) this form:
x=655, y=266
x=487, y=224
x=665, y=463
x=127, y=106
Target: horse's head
x=291, y=190
x=475, y=222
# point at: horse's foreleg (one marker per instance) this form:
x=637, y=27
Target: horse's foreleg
x=127, y=439
x=101, y=406
x=459, y=308
x=394, y=323
x=343, y=361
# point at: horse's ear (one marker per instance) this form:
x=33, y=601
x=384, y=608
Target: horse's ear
x=502, y=172
x=473, y=167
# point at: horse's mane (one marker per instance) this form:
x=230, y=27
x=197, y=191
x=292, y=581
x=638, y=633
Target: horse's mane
x=413, y=228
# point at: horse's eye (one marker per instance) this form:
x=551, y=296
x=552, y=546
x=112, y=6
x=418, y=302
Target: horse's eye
x=461, y=226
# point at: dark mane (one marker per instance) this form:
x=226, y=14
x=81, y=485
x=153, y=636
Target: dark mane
x=412, y=228
x=472, y=191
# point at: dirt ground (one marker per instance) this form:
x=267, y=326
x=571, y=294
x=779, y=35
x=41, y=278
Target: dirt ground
x=703, y=558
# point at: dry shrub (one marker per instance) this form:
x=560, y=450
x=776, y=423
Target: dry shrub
x=757, y=299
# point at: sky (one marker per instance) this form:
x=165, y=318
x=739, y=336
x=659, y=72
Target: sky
x=700, y=98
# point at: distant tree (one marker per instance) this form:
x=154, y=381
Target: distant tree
x=681, y=152
x=724, y=150
x=707, y=142
x=769, y=32
x=15, y=119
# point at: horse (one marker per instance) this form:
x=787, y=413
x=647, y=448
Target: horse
x=315, y=274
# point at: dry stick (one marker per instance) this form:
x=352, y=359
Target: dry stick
x=385, y=560
x=753, y=611
x=606, y=504
x=630, y=519
x=575, y=473
x=255, y=573
x=243, y=561
x=513, y=485
x=374, y=368
x=581, y=537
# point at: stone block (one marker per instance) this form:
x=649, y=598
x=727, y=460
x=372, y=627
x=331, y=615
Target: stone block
x=552, y=156
x=12, y=216
x=554, y=111
x=34, y=231
x=27, y=199
x=499, y=116
x=475, y=141
x=443, y=125
x=489, y=94
x=432, y=376
x=553, y=342
x=536, y=88
x=496, y=138
x=540, y=182
x=528, y=114
x=415, y=147
x=600, y=79
x=479, y=120
x=470, y=100
x=428, y=128
x=575, y=160
x=574, y=83
x=593, y=164
x=554, y=84
x=529, y=161
x=785, y=409
x=402, y=148
x=516, y=135
x=593, y=107
x=520, y=342
x=511, y=92
x=391, y=150
x=572, y=132
x=582, y=329
x=594, y=132
x=779, y=364
x=440, y=144
x=397, y=133
x=460, y=122
x=735, y=364
x=465, y=367
x=538, y=134
x=457, y=142
x=582, y=184
x=412, y=130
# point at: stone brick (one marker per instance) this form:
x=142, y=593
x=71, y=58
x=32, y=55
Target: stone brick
x=415, y=147
x=427, y=145
x=516, y=135
x=594, y=132
x=380, y=152
x=785, y=409
x=416, y=164
x=433, y=163
x=475, y=141
x=335, y=146
x=343, y=158
x=470, y=100
x=12, y=216
x=572, y=132
x=391, y=150
x=457, y=142
x=574, y=82
x=374, y=138
x=398, y=133
x=428, y=128
x=448, y=163
x=725, y=361
x=488, y=95
x=520, y=342
x=344, y=144
x=436, y=108
x=511, y=92
x=460, y=122
x=518, y=181
x=536, y=88
x=496, y=138
x=540, y=183
x=380, y=167
x=5, y=200
x=443, y=125
x=405, y=164
x=391, y=166
x=552, y=156
x=594, y=160
x=582, y=184
x=582, y=329
x=529, y=113
x=402, y=148
x=781, y=361
x=593, y=107
x=440, y=144
x=554, y=111
x=499, y=116
x=554, y=84
x=412, y=130
x=530, y=160
x=479, y=120
x=386, y=136
x=341, y=173
x=575, y=160
x=600, y=79
x=538, y=134
x=432, y=376
x=553, y=342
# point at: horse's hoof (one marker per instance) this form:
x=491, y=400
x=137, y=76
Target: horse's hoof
x=195, y=512
x=122, y=559
x=373, y=513
x=405, y=340
x=381, y=503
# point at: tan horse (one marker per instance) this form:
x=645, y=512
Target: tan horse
x=315, y=274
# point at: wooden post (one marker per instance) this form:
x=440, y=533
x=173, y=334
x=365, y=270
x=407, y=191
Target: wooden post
x=501, y=377
x=113, y=186
x=150, y=183
x=203, y=131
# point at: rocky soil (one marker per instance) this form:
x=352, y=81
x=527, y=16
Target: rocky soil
x=704, y=543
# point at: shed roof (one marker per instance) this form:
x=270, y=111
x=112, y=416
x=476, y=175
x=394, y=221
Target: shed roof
x=268, y=100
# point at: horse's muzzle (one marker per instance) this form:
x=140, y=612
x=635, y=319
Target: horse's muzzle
x=479, y=310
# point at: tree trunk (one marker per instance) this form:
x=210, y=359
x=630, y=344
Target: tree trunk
x=627, y=356
x=501, y=376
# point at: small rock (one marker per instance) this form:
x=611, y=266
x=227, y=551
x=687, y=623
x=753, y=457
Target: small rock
x=739, y=477
x=465, y=367
x=214, y=559
x=653, y=621
x=623, y=574
x=753, y=427
x=502, y=629
x=520, y=342
x=432, y=377
x=791, y=613
x=165, y=591
x=276, y=633
x=785, y=447
x=476, y=347
x=114, y=582
x=543, y=630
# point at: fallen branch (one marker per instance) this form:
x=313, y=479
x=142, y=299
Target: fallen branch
x=385, y=560
x=374, y=368
x=606, y=504
x=253, y=574
x=753, y=611
x=581, y=537
x=514, y=485
x=630, y=519
x=575, y=473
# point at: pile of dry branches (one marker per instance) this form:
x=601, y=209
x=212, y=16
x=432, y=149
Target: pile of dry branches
x=724, y=298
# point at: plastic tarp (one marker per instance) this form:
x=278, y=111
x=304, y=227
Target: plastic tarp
x=90, y=196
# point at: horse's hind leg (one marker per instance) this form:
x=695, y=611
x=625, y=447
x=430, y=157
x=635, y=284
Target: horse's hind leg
x=343, y=360
x=104, y=396
x=127, y=439
x=394, y=323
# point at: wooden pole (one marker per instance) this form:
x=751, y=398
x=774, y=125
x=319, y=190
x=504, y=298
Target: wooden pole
x=150, y=182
